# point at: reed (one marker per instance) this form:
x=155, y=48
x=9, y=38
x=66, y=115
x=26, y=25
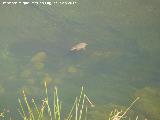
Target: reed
x=31, y=111
x=119, y=114
x=80, y=107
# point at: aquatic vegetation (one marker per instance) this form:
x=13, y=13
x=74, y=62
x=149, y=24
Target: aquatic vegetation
x=30, y=110
x=8, y=66
x=31, y=90
x=149, y=103
x=112, y=112
x=39, y=57
x=2, y=90
x=50, y=79
x=12, y=77
x=4, y=52
x=39, y=66
x=72, y=69
x=38, y=60
x=47, y=78
x=31, y=81
x=26, y=73
x=79, y=110
x=99, y=112
x=120, y=114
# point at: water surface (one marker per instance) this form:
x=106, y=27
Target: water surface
x=120, y=63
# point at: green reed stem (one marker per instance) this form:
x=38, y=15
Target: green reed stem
x=71, y=111
x=35, y=106
x=28, y=107
x=82, y=106
x=47, y=102
x=57, y=105
x=23, y=113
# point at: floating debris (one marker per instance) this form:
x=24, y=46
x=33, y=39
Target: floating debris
x=79, y=46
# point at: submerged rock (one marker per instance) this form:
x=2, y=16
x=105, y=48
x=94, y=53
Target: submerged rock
x=79, y=46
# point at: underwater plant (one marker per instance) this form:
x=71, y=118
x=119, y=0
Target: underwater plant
x=53, y=110
x=47, y=78
x=38, y=60
x=2, y=90
x=72, y=69
x=112, y=111
x=39, y=66
x=39, y=57
x=26, y=73
x=120, y=114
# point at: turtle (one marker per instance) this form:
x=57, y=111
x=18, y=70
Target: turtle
x=79, y=46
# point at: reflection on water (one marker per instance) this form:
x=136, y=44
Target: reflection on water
x=120, y=62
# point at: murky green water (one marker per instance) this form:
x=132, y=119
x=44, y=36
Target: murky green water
x=121, y=62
